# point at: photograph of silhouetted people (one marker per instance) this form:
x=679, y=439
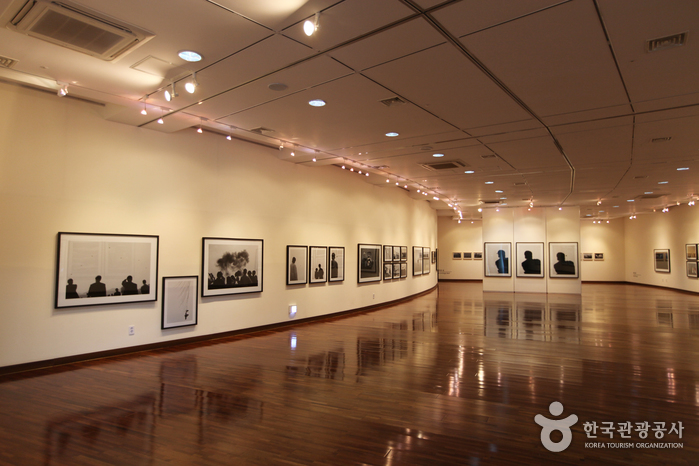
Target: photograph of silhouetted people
x=71, y=290
x=563, y=267
x=503, y=263
x=293, y=273
x=97, y=289
x=334, y=267
x=128, y=287
x=530, y=265
x=116, y=292
x=320, y=273
x=145, y=288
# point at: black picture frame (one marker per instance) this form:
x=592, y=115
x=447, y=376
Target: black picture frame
x=387, y=253
x=403, y=270
x=317, y=259
x=396, y=270
x=692, y=269
x=296, y=265
x=587, y=256
x=231, y=266
x=417, y=260
x=599, y=256
x=404, y=253
x=497, y=259
x=690, y=251
x=425, y=261
x=100, y=269
x=396, y=253
x=369, y=263
x=180, y=307
x=661, y=260
x=563, y=260
x=387, y=271
x=456, y=256
x=530, y=260
x=336, y=268
x=467, y=256
x=478, y=256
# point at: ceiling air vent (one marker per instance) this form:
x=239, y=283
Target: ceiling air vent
x=489, y=202
x=392, y=101
x=78, y=28
x=640, y=177
x=488, y=156
x=650, y=196
x=6, y=62
x=661, y=139
x=446, y=165
x=654, y=45
x=261, y=130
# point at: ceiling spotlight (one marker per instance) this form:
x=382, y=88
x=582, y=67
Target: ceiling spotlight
x=281, y=146
x=160, y=121
x=314, y=159
x=607, y=221
x=406, y=187
x=63, y=90
x=397, y=184
x=392, y=134
x=293, y=154
x=418, y=191
x=143, y=110
x=169, y=95
x=360, y=172
x=480, y=210
x=316, y=103
x=189, y=55
x=199, y=130
x=191, y=85
x=599, y=202
x=229, y=137
x=309, y=27
x=459, y=220
x=560, y=208
x=531, y=204
x=366, y=174
x=690, y=202
x=435, y=198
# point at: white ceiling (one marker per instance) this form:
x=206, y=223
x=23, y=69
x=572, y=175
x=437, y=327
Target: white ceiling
x=556, y=102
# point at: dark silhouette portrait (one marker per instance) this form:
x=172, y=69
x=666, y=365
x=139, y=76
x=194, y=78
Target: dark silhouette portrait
x=116, y=292
x=128, y=286
x=219, y=282
x=320, y=273
x=334, y=267
x=563, y=267
x=145, y=288
x=503, y=263
x=293, y=274
x=530, y=265
x=71, y=290
x=97, y=289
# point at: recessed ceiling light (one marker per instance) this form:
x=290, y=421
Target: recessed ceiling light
x=277, y=87
x=662, y=182
x=498, y=190
x=469, y=171
x=682, y=169
x=189, y=55
x=392, y=134
x=629, y=200
x=316, y=103
x=648, y=192
x=442, y=155
x=488, y=182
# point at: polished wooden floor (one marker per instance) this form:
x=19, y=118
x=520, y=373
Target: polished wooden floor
x=454, y=377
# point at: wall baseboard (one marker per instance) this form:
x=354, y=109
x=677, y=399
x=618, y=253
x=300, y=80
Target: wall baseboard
x=31, y=369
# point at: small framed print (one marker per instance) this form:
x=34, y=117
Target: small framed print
x=434, y=256
x=425, y=261
x=387, y=253
x=417, y=260
x=296, y=265
x=599, y=256
x=396, y=270
x=691, y=251
x=587, y=256
x=692, y=269
x=179, y=307
x=369, y=267
x=231, y=266
x=318, y=264
x=404, y=253
x=396, y=253
x=403, y=269
x=467, y=256
x=337, y=264
x=387, y=270
x=563, y=260
x=478, y=256
x=661, y=259
x=497, y=259
x=456, y=255
x=530, y=260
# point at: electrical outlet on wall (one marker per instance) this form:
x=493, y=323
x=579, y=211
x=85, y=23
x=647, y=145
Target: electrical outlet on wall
x=132, y=330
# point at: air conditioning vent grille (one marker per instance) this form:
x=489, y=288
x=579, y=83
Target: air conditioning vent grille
x=446, y=165
x=666, y=42
x=6, y=62
x=75, y=32
x=392, y=101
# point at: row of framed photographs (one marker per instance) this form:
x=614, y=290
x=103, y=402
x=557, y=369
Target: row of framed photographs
x=371, y=269
x=563, y=260
x=314, y=264
x=588, y=256
x=395, y=253
x=467, y=256
x=661, y=260
x=691, y=256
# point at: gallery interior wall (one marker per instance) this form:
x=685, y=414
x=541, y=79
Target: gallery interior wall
x=459, y=237
x=607, y=239
x=64, y=168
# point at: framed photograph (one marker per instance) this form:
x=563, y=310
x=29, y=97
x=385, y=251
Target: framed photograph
x=318, y=264
x=179, y=302
x=587, y=256
x=530, y=260
x=387, y=270
x=396, y=270
x=434, y=256
x=296, y=265
x=337, y=264
x=691, y=251
x=477, y=256
x=96, y=269
x=231, y=266
x=387, y=253
x=563, y=260
x=599, y=256
x=396, y=253
x=467, y=256
x=497, y=259
x=404, y=253
x=417, y=260
x=692, y=269
x=369, y=267
x=403, y=269
x=425, y=261
x=662, y=260
x=456, y=255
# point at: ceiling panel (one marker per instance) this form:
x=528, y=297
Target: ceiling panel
x=435, y=142
x=664, y=73
x=598, y=142
x=446, y=83
x=396, y=42
x=349, y=19
x=276, y=14
x=557, y=61
x=530, y=153
x=466, y=17
x=353, y=115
